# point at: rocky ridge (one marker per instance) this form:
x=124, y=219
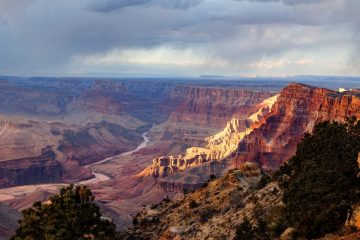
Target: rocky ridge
x=268, y=139
x=87, y=120
x=33, y=170
x=213, y=107
x=212, y=212
x=219, y=146
x=243, y=200
x=297, y=110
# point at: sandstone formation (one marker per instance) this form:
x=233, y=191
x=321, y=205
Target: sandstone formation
x=213, y=212
x=97, y=141
x=219, y=146
x=219, y=207
x=22, y=139
x=97, y=101
x=267, y=137
x=213, y=107
x=43, y=169
x=200, y=111
x=297, y=110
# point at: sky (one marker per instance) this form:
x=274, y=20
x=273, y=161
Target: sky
x=179, y=37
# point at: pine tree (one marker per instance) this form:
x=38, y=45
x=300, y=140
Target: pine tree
x=69, y=215
x=323, y=181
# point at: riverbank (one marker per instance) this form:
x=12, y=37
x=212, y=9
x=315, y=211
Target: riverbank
x=19, y=191
x=100, y=177
x=139, y=147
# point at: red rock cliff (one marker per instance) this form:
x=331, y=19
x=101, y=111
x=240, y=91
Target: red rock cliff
x=33, y=170
x=213, y=107
x=219, y=146
x=298, y=109
x=268, y=141
x=103, y=98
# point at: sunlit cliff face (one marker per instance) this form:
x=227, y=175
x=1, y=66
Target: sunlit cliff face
x=268, y=136
x=219, y=146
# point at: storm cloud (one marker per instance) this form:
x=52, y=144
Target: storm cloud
x=178, y=38
x=113, y=5
x=290, y=2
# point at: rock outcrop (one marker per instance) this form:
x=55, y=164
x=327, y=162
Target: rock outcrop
x=213, y=107
x=43, y=169
x=297, y=110
x=268, y=137
x=97, y=141
x=97, y=101
x=213, y=212
x=88, y=119
x=219, y=146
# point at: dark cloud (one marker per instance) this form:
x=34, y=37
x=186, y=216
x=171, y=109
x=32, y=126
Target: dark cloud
x=290, y=2
x=180, y=4
x=44, y=37
x=113, y=5
x=110, y=6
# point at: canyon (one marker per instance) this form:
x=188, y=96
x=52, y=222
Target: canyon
x=84, y=121
x=268, y=137
x=57, y=131
x=92, y=131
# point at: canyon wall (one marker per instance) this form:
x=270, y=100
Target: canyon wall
x=87, y=120
x=22, y=138
x=42, y=169
x=268, y=137
x=213, y=107
x=298, y=109
x=97, y=141
x=220, y=145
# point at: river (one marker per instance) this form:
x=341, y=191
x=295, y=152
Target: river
x=13, y=192
x=100, y=177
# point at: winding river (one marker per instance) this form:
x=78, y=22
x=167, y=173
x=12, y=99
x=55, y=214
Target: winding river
x=100, y=177
x=19, y=191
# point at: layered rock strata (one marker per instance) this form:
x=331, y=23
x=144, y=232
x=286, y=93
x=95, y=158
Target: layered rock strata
x=297, y=110
x=267, y=137
x=213, y=107
x=212, y=212
x=219, y=146
x=43, y=169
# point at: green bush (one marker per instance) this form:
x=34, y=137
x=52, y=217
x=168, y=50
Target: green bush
x=322, y=183
x=187, y=191
x=193, y=204
x=69, y=215
x=206, y=214
x=212, y=177
x=245, y=231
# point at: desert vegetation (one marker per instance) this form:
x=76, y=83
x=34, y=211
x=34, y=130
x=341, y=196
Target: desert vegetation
x=321, y=182
x=71, y=214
